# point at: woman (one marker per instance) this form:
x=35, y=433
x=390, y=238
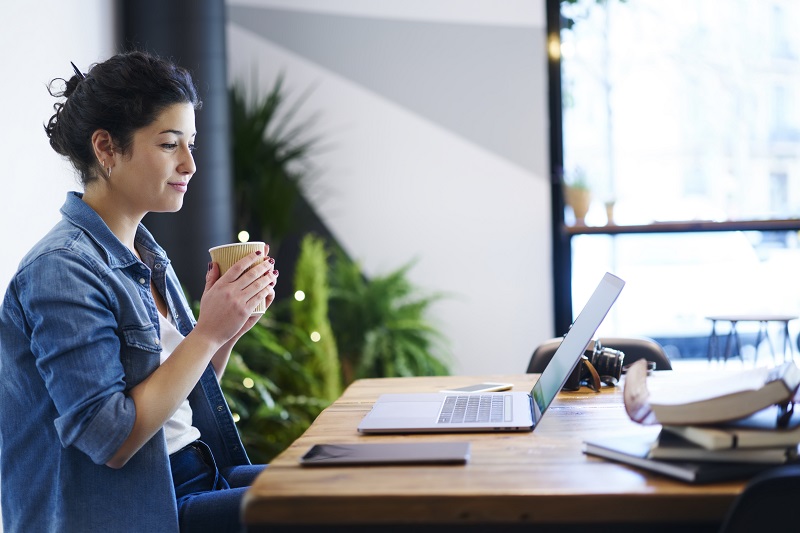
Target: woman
x=111, y=414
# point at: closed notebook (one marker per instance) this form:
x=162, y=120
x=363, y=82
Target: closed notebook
x=634, y=451
x=759, y=430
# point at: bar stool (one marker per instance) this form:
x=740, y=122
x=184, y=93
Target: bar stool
x=733, y=339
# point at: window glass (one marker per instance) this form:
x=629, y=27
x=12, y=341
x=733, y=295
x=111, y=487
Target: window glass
x=675, y=280
x=684, y=110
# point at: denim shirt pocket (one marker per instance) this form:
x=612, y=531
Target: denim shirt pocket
x=141, y=351
x=143, y=337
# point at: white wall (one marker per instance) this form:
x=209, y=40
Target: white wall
x=37, y=42
x=454, y=176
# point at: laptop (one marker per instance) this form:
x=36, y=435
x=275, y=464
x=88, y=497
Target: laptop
x=495, y=411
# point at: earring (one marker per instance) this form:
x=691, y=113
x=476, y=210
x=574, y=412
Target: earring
x=109, y=172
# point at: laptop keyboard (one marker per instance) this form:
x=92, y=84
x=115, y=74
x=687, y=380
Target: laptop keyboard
x=475, y=408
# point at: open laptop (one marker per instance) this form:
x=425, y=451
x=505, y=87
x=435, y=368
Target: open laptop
x=505, y=411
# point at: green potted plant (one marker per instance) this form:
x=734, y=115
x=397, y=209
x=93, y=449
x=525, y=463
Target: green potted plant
x=267, y=387
x=270, y=161
x=309, y=313
x=381, y=324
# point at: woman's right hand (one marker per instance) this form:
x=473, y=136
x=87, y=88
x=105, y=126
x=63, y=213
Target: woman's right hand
x=229, y=300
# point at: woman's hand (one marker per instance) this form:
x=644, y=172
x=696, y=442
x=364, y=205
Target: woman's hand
x=220, y=358
x=229, y=300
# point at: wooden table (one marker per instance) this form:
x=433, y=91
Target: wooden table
x=539, y=481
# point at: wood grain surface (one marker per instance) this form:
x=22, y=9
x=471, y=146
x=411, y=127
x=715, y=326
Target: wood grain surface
x=539, y=477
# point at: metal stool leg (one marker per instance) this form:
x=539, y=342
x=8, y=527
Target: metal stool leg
x=758, y=341
x=734, y=334
x=763, y=334
x=728, y=341
x=787, y=341
x=713, y=342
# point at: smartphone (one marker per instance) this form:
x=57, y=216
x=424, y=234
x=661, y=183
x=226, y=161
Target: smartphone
x=482, y=387
x=389, y=453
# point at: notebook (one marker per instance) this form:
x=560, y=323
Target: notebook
x=495, y=411
x=635, y=450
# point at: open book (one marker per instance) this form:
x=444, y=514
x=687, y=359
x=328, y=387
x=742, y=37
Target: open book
x=721, y=398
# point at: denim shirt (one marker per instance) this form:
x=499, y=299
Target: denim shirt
x=78, y=329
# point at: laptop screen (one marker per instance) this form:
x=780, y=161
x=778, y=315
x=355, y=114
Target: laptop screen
x=568, y=354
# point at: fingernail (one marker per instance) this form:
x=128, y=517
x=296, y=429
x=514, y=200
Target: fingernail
x=271, y=260
x=275, y=272
x=210, y=266
x=258, y=252
x=271, y=283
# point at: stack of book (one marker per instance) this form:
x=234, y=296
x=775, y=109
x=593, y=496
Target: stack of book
x=732, y=427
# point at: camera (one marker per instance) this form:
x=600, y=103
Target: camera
x=598, y=364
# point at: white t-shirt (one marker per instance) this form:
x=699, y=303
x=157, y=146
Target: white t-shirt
x=178, y=429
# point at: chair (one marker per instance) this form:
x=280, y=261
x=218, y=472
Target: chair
x=634, y=348
x=767, y=502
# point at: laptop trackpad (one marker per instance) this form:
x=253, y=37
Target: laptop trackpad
x=406, y=409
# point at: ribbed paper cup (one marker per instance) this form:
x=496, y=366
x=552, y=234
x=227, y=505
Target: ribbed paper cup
x=227, y=254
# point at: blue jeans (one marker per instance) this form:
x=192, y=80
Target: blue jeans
x=209, y=499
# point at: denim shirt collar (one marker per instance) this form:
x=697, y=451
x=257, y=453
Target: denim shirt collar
x=117, y=254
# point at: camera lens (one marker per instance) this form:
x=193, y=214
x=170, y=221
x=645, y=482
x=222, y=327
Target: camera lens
x=608, y=363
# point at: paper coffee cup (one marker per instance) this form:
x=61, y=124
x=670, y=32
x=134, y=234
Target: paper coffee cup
x=227, y=254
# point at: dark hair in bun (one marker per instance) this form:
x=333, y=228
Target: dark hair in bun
x=120, y=95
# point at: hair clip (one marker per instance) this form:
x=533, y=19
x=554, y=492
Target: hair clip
x=77, y=72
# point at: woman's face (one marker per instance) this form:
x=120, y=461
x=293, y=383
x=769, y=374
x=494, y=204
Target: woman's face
x=155, y=174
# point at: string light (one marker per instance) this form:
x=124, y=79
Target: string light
x=243, y=236
x=315, y=336
x=248, y=383
x=299, y=296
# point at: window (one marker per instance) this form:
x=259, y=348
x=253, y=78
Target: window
x=680, y=119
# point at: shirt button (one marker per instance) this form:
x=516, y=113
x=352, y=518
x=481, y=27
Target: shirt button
x=220, y=408
x=142, y=281
x=158, y=266
x=157, y=341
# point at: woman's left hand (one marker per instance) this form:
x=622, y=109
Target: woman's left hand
x=220, y=359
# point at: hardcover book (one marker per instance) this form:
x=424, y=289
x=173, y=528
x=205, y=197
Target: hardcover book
x=721, y=398
x=635, y=451
x=758, y=430
x=670, y=446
